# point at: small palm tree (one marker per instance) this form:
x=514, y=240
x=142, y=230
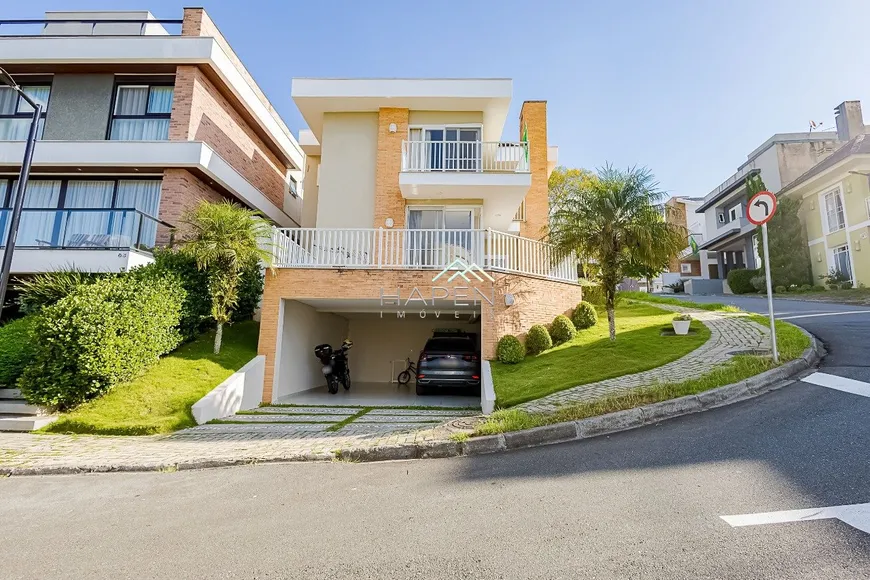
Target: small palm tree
x=224, y=238
x=616, y=220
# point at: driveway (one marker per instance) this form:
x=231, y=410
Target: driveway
x=845, y=329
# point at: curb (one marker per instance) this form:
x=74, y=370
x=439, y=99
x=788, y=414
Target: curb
x=546, y=435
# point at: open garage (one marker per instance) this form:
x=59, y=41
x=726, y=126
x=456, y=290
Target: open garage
x=383, y=340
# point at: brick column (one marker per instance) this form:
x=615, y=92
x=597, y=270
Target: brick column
x=270, y=326
x=533, y=117
x=389, y=202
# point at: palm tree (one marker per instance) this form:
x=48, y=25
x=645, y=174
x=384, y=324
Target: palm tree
x=616, y=220
x=225, y=238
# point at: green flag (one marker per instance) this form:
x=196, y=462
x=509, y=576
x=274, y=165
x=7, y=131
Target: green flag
x=693, y=244
x=525, y=139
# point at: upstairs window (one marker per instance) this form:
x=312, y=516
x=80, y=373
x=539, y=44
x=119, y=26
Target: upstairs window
x=141, y=112
x=835, y=217
x=16, y=113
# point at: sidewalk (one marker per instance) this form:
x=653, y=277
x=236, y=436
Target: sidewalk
x=223, y=444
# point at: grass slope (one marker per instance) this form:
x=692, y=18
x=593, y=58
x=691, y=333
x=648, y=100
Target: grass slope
x=591, y=357
x=159, y=401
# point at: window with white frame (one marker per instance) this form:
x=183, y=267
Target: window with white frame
x=733, y=213
x=16, y=113
x=686, y=268
x=141, y=112
x=840, y=261
x=835, y=216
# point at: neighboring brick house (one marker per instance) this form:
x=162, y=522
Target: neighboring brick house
x=403, y=177
x=144, y=118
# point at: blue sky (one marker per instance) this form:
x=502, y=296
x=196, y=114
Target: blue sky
x=687, y=88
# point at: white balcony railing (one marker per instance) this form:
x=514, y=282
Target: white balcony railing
x=417, y=250
x=465, y=156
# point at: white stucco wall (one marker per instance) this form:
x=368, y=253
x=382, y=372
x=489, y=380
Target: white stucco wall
x=378, y=341
x=349, y=147
x=309, y=207
x=303, y=329
x=444, y=117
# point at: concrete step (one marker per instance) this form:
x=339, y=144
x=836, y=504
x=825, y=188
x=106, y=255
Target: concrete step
x=24, y=423
x=18, y=407
x=10, y=394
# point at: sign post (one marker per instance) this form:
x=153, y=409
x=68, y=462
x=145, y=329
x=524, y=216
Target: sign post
x=759, y=210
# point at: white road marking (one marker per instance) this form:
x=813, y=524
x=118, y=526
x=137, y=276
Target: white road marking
x=856, y=515
x=796, y=316
x=839, y=383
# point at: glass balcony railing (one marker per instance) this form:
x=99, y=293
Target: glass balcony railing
x=82, y=229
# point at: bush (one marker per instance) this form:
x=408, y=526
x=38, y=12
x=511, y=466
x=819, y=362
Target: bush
x=562, y=329
x=592, y=292
x=16, y=349
x=846, y=285
x=100, y=335
x=46, y=289
x=510, y=350
x=740, y=280
x=538, y=339
x=584, y=316
x=779, y=289
x=759, y=283
x=818, y=288
x=250, y=292
x=806, y=288
x=678, y=287
x=682, y=317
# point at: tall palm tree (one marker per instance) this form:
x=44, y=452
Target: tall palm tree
x=616, y=220
x=224, y=238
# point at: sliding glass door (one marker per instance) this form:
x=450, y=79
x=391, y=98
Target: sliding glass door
x=437, y=236
x=446, y=149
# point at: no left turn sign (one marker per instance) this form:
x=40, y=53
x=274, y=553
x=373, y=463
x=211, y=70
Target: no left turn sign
x=761, y=208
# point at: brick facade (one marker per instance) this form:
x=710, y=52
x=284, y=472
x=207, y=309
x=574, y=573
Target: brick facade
x=181, y=191
x=536, y=301
x=389, y=202
x=533, y=116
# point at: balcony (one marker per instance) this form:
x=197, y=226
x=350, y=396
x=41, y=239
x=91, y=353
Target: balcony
x=496, y=172
x=93, y=240
x=434, y=249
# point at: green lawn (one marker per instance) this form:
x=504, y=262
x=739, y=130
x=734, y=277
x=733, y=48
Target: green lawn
x=159, y=401
x=656, y=299
x=591, y=357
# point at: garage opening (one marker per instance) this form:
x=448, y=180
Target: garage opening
x=383, y=343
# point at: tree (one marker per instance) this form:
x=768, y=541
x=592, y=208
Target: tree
x=789, y=253
x=616, y=220
x=224, y=239
x=563, y=180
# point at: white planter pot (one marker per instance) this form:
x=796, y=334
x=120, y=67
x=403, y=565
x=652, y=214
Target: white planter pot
x=681, y=326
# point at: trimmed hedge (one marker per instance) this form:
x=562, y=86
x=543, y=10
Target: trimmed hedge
x=510, y=350
x=538, y=339
x=46, y=289
x=562, y=329
x=16, y=349
x=740, y=281
x=593, y=293
x=584, y=316
x=100, y=335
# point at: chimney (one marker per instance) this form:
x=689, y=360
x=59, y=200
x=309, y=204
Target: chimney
x=850, y=120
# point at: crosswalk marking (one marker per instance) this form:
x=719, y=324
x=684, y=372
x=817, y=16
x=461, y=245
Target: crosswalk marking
x=839, y=383
x=856, y=515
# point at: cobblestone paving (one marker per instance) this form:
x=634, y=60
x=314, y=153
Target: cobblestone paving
x=729, y=332
x=270, y=435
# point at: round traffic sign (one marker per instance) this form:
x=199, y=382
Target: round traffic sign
x=761, y=208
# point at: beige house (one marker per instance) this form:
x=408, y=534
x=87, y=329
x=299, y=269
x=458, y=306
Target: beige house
x=835, y=202
x=418, y=216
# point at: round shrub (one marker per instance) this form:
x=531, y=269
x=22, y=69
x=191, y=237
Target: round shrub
x=585, y=316
x=806, y=288
x=818, y=288
x=779, y=289
x=100, y=335
x=538, y=339
x=510, y=350
x=759, y=283
x=562, y=329
x=740, y=280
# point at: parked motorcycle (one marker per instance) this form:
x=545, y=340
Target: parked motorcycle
x=335, y=365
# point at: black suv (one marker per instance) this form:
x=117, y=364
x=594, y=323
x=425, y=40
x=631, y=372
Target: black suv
x=448, y=361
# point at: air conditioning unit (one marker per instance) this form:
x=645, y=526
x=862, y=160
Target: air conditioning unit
x=721, y=217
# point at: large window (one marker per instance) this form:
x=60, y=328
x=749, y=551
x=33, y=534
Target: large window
x=835, y=217
x=141, y=112
x=84, y=213
x=16, y=113
x=840, y=261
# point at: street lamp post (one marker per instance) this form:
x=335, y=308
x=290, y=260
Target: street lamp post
x=6, y=267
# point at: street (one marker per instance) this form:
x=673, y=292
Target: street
x=647, y=503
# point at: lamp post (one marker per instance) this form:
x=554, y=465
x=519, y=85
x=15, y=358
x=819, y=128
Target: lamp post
x=6, y=267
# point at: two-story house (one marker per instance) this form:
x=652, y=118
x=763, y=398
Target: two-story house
x=143, y=119
x=418, y=217
x=778, y=161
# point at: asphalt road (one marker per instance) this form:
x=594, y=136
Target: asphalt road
x=844, y=329
x=641, y=504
